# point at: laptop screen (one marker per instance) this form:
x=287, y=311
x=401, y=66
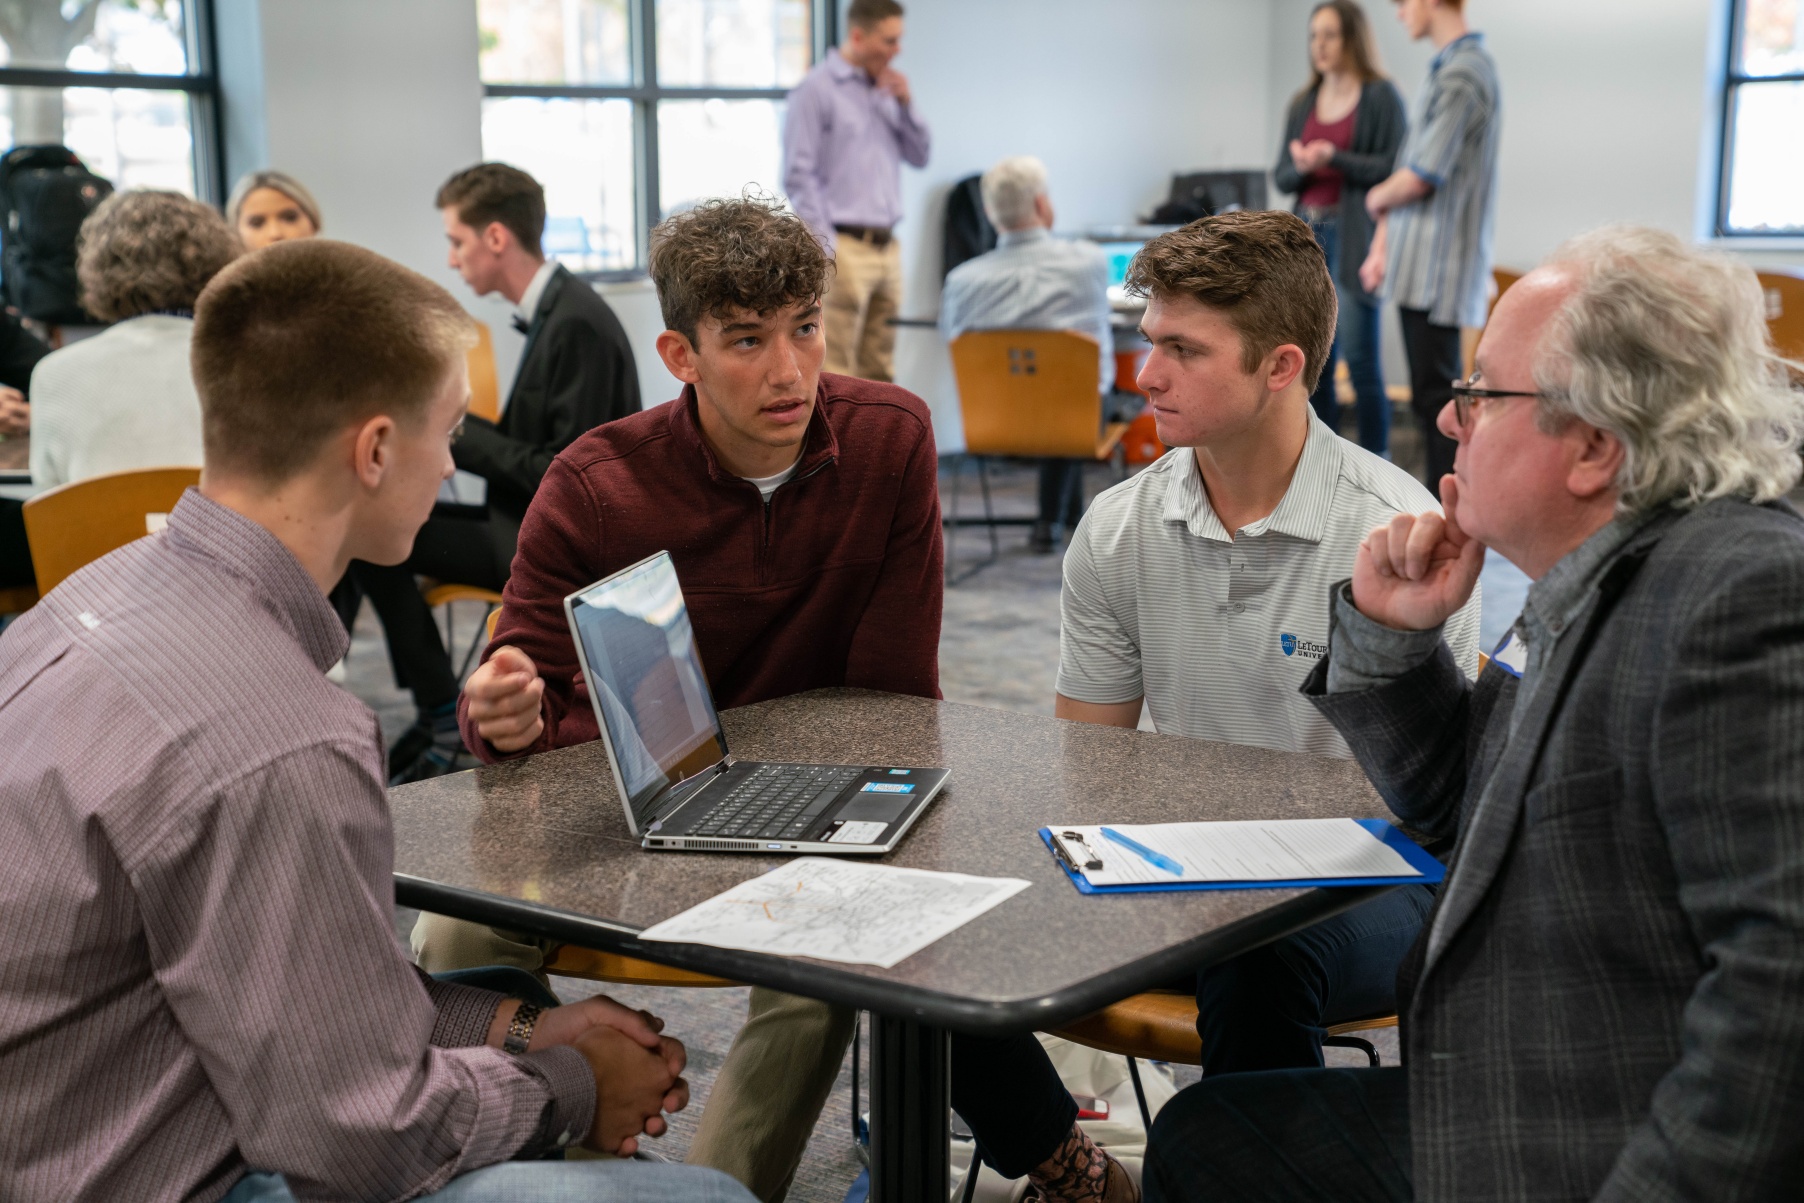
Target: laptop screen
x=646, y=677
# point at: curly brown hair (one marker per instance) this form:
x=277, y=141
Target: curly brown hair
x=1262, y=269
x=297, y=341
x=144, y=250
x=728, y=256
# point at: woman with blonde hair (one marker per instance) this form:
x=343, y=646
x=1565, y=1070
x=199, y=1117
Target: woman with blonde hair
x=1341, y=137
x=272, y=206
x=125, y=398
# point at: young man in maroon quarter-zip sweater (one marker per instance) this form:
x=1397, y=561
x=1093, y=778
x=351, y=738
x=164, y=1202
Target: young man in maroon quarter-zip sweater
x=802, y=513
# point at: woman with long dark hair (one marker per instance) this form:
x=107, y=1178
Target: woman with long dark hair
x=1341, y=137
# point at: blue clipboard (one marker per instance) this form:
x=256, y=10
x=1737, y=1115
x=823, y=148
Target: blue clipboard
x=1433, y=871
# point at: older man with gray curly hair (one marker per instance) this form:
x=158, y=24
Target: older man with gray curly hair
x=125, y=398
x=1603, y=1005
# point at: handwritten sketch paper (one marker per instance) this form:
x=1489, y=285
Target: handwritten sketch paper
x=838, y=910
x=1272, y=850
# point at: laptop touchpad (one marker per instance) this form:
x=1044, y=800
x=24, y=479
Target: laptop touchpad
x=879, y=808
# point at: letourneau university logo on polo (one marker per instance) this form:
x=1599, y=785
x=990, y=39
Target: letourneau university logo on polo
x=1296, y=645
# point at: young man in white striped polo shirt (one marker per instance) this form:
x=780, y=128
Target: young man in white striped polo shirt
x=1199, y=589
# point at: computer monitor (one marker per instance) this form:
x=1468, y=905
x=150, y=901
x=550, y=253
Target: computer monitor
x=1120, y=255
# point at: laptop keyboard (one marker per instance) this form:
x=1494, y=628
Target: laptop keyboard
x=776, y=801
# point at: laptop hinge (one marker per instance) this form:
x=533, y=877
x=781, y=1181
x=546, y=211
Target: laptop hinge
x=684, y=791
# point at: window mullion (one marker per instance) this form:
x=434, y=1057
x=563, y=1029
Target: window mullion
x=645, y=111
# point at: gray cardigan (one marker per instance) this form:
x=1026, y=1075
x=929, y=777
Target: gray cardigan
x=1378, y=132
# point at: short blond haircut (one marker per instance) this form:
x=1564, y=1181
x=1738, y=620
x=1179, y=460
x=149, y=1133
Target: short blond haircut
x=141, y=251
x=306, y=337
x=1666, y=346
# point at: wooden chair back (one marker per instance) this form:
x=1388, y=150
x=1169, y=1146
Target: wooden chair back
x=1028, y=393
x=73, y=524
x=1785, y=311
x=485, y=384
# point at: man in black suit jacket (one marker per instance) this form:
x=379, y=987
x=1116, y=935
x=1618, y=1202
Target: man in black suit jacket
x=576, y=372
x=1604, y=1004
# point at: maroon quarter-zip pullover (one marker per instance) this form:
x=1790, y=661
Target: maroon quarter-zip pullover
x=836, y=580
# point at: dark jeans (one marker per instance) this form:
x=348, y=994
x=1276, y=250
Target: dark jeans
x=1263, y=1010
x=451, y=548
x=1288, y=1136
x=15, y=552
x=1435, y=363
x=1061, y=492
x=1356, y=339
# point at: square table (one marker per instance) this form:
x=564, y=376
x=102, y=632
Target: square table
x=540, y=845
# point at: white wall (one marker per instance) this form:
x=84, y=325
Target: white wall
x=1115, y=95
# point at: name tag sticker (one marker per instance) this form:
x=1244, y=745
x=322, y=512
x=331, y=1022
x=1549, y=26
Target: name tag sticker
x=1511, y=655
x=857, y=833
x=888, y=787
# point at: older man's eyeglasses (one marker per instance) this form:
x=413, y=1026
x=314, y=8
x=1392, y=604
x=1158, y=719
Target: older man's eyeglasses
x=1467, y=394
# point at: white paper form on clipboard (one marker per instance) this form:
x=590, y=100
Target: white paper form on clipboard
x=1237, y=852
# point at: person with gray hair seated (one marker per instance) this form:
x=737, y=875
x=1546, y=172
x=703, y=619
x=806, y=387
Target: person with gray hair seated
x=1033, y=281
x=125, y=398
x=1603, y=1005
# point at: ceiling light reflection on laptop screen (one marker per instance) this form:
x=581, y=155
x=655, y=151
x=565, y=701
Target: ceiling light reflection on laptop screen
x=647, y=673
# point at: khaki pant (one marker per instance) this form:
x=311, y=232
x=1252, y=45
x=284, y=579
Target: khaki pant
x=866, y=292
x=757, y=1119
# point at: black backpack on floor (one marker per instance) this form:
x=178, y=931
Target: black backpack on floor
x=46, y=192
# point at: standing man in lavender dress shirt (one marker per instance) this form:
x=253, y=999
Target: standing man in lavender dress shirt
x=851, y=126
x=203, y=997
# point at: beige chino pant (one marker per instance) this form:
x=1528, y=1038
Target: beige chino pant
x=758, y=1117
x=866, y=292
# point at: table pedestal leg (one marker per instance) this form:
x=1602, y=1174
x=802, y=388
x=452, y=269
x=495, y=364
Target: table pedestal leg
x=911, y=1111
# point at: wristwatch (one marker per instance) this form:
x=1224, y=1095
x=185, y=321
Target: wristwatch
x=519, y=1029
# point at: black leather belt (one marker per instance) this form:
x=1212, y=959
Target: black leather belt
x=877, y=238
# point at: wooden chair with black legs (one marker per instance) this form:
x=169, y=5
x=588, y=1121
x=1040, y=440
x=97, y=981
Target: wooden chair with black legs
x=79, y=522
x=1027, y=393
x=1783, y=292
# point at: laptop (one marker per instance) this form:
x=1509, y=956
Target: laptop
x=682, y=789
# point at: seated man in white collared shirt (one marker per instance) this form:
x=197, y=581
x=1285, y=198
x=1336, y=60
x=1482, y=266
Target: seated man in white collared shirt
x=1033, y=281
x=1196, y=589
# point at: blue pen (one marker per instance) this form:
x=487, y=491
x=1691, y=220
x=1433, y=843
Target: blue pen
x=1156, y=859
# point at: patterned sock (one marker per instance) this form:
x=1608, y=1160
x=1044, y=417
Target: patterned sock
x=1077, y=1171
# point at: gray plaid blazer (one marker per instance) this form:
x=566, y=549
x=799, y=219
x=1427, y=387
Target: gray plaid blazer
x=1613, y=1005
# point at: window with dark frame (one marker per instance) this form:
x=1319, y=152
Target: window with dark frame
x=1760, y=184
x=627, y=110
x=128, y=85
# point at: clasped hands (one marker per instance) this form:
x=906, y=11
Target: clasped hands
x=1414, y=572
x=15, y=413
x=638, y=1070
x=1311, y=156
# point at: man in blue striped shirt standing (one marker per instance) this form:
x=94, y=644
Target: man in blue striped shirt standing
x=1437, y=213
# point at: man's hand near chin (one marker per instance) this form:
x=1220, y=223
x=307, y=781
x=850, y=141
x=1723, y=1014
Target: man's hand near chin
x=1412, y=574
